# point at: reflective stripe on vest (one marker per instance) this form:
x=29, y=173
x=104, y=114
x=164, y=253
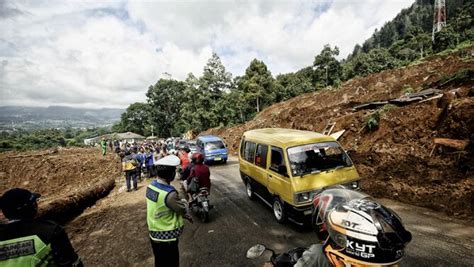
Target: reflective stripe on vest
x=25, y=252
x=164, y=224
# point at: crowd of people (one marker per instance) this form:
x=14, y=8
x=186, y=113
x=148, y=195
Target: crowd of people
x=139, y=160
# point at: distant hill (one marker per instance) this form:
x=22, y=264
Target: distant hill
x=56, y=117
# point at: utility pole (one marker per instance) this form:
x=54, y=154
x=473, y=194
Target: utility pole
x=439, y=17
x=152, y=131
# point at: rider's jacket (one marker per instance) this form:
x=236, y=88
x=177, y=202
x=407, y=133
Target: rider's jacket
x=164, y=224
x=201, y=171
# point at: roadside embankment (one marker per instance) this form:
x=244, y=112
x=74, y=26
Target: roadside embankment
x=69, y=179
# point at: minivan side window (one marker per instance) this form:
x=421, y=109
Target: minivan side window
x=277, y=160
x=242, y=147
x=249, y=151
x=261, y=156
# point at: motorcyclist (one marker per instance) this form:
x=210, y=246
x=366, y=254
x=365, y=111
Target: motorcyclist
x=199, y=173
x=356, y=230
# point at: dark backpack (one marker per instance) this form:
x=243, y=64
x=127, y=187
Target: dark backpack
x=193, y=186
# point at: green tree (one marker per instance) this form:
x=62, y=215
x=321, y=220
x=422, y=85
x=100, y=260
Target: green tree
x=293, y=84
x=164, y=100
x=447, y=38
x=135, y=119
x=257, y=85
x=327, y=69
x=366, y=63
x=215, y=78
x=192, y=104
x=214, y=84
x=463, y=23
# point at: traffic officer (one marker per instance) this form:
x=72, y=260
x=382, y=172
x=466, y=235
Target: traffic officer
x=25, y=241
x=165, y=212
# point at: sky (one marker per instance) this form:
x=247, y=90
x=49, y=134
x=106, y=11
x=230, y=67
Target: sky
x=107, y=53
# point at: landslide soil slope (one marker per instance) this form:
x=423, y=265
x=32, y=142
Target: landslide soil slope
x=394, y=159
x=68, y=179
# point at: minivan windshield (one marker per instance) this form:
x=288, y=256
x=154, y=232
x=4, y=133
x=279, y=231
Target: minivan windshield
x=214, y=145
x=317, y=157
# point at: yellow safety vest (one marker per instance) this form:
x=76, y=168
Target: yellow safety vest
x=164, y=225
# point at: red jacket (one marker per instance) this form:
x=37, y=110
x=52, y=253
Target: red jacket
x=201, y=171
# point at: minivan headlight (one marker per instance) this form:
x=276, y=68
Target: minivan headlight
x=304, y=197
x=354, y=185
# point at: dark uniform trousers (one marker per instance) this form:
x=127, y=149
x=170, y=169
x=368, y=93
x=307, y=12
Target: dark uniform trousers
x=166, y=253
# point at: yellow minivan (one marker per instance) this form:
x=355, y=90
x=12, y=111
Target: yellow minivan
x=285, y=168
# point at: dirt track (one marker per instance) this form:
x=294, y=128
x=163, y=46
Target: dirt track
x=114, y=232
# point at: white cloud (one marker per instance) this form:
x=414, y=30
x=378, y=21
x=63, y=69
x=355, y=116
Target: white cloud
x=107, y=53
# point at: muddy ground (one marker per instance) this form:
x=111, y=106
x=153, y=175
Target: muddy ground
x=69, y=179
x=396, y=159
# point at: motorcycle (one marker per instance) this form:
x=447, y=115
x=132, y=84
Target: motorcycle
x=285, y=259
x=199, y=204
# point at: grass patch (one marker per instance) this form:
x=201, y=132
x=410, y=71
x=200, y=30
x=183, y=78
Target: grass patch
x=372, y=122
x=408, y=90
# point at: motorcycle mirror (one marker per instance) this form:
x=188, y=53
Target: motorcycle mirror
x=255, y=251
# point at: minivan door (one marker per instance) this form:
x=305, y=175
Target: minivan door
x=278, y=181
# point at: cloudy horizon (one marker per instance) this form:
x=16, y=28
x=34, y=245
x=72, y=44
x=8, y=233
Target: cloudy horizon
x=106, y=53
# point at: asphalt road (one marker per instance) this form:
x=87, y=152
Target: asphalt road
x=237, y=223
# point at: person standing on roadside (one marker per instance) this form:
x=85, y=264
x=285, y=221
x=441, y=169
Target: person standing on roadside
x=165, y=213
x=129, y=164
x=26, y=241
x=116, y=146
x=149, y=162
x=184, y=158
x=141, y=157
x=103, y=145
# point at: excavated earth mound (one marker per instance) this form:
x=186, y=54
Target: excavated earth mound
x=69, y=180
x=396, y=160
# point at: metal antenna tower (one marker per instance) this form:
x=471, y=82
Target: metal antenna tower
x=439, y=17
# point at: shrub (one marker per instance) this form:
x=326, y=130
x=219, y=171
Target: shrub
x=372, y=122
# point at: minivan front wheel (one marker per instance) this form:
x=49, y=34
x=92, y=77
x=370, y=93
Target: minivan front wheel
x=279, y=210
x=249, y=190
